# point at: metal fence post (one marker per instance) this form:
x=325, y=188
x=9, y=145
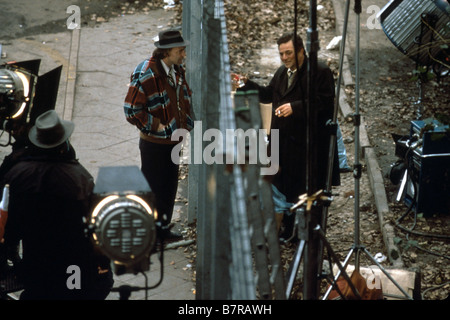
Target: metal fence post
x=192, y=30
x=216, y=191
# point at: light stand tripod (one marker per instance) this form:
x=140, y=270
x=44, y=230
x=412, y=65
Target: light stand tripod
x=357, y=246
x=308, y=209
x=308, y=219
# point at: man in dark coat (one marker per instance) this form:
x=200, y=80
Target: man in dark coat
x=287, y=91
x=49, y=197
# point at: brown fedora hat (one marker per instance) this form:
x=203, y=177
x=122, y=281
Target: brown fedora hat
x=170, y=39
x=50, y=131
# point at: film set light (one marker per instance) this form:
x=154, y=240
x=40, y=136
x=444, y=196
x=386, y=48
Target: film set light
x=16, y=91
x=24, y=95
x=123, y=223
x=420, y=29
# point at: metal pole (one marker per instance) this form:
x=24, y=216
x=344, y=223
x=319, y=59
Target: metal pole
x=357, y=122
x=192, y=30
x=336, y=106
x=311, y=261
x=333, y=128
x=311, y=112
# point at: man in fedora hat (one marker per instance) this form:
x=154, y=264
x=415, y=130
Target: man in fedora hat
x=158, y=102
x=49, y=197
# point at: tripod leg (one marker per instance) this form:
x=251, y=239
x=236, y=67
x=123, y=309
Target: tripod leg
x=311, y=262
x=340, y=266
x=387, y=274
x=346, y=261
x=293, y=268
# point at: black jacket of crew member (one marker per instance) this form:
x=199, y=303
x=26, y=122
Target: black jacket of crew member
x=49, y=196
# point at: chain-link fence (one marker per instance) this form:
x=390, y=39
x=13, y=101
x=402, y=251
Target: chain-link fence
x=218, y=199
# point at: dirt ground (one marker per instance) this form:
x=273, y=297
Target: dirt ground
x=387, y=105
x=387, y=99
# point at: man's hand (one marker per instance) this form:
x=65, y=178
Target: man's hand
x=284, y=110
x=238, y=80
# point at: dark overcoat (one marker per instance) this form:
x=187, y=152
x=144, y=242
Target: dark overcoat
x=49, y=197
x=291, y=176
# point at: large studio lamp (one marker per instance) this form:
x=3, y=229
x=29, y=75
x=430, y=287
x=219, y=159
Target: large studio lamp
x=14, y=92
x=24, y=95
x=419, y=28
x=122, y=224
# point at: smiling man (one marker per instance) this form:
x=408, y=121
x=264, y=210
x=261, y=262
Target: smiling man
x=288, y=94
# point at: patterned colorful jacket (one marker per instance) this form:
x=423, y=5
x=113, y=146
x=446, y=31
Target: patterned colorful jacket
x=151, y=100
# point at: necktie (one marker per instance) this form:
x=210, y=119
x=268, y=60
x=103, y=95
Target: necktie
x=290, y=77
x=170, y=77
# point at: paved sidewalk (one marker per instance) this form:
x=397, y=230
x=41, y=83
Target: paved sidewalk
x=107, y=55
x=97, y=62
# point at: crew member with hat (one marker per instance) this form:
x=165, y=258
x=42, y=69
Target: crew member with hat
x=49, y=197
x=158, y=102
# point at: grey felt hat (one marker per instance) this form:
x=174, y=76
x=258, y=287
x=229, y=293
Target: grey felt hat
x=170, y=39
x=50, y=131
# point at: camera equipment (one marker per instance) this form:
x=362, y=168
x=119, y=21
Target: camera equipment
x=420, y=29
x=423, y=167
x=122, y=224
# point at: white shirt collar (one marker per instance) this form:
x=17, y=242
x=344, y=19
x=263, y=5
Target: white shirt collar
x=167, y=68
